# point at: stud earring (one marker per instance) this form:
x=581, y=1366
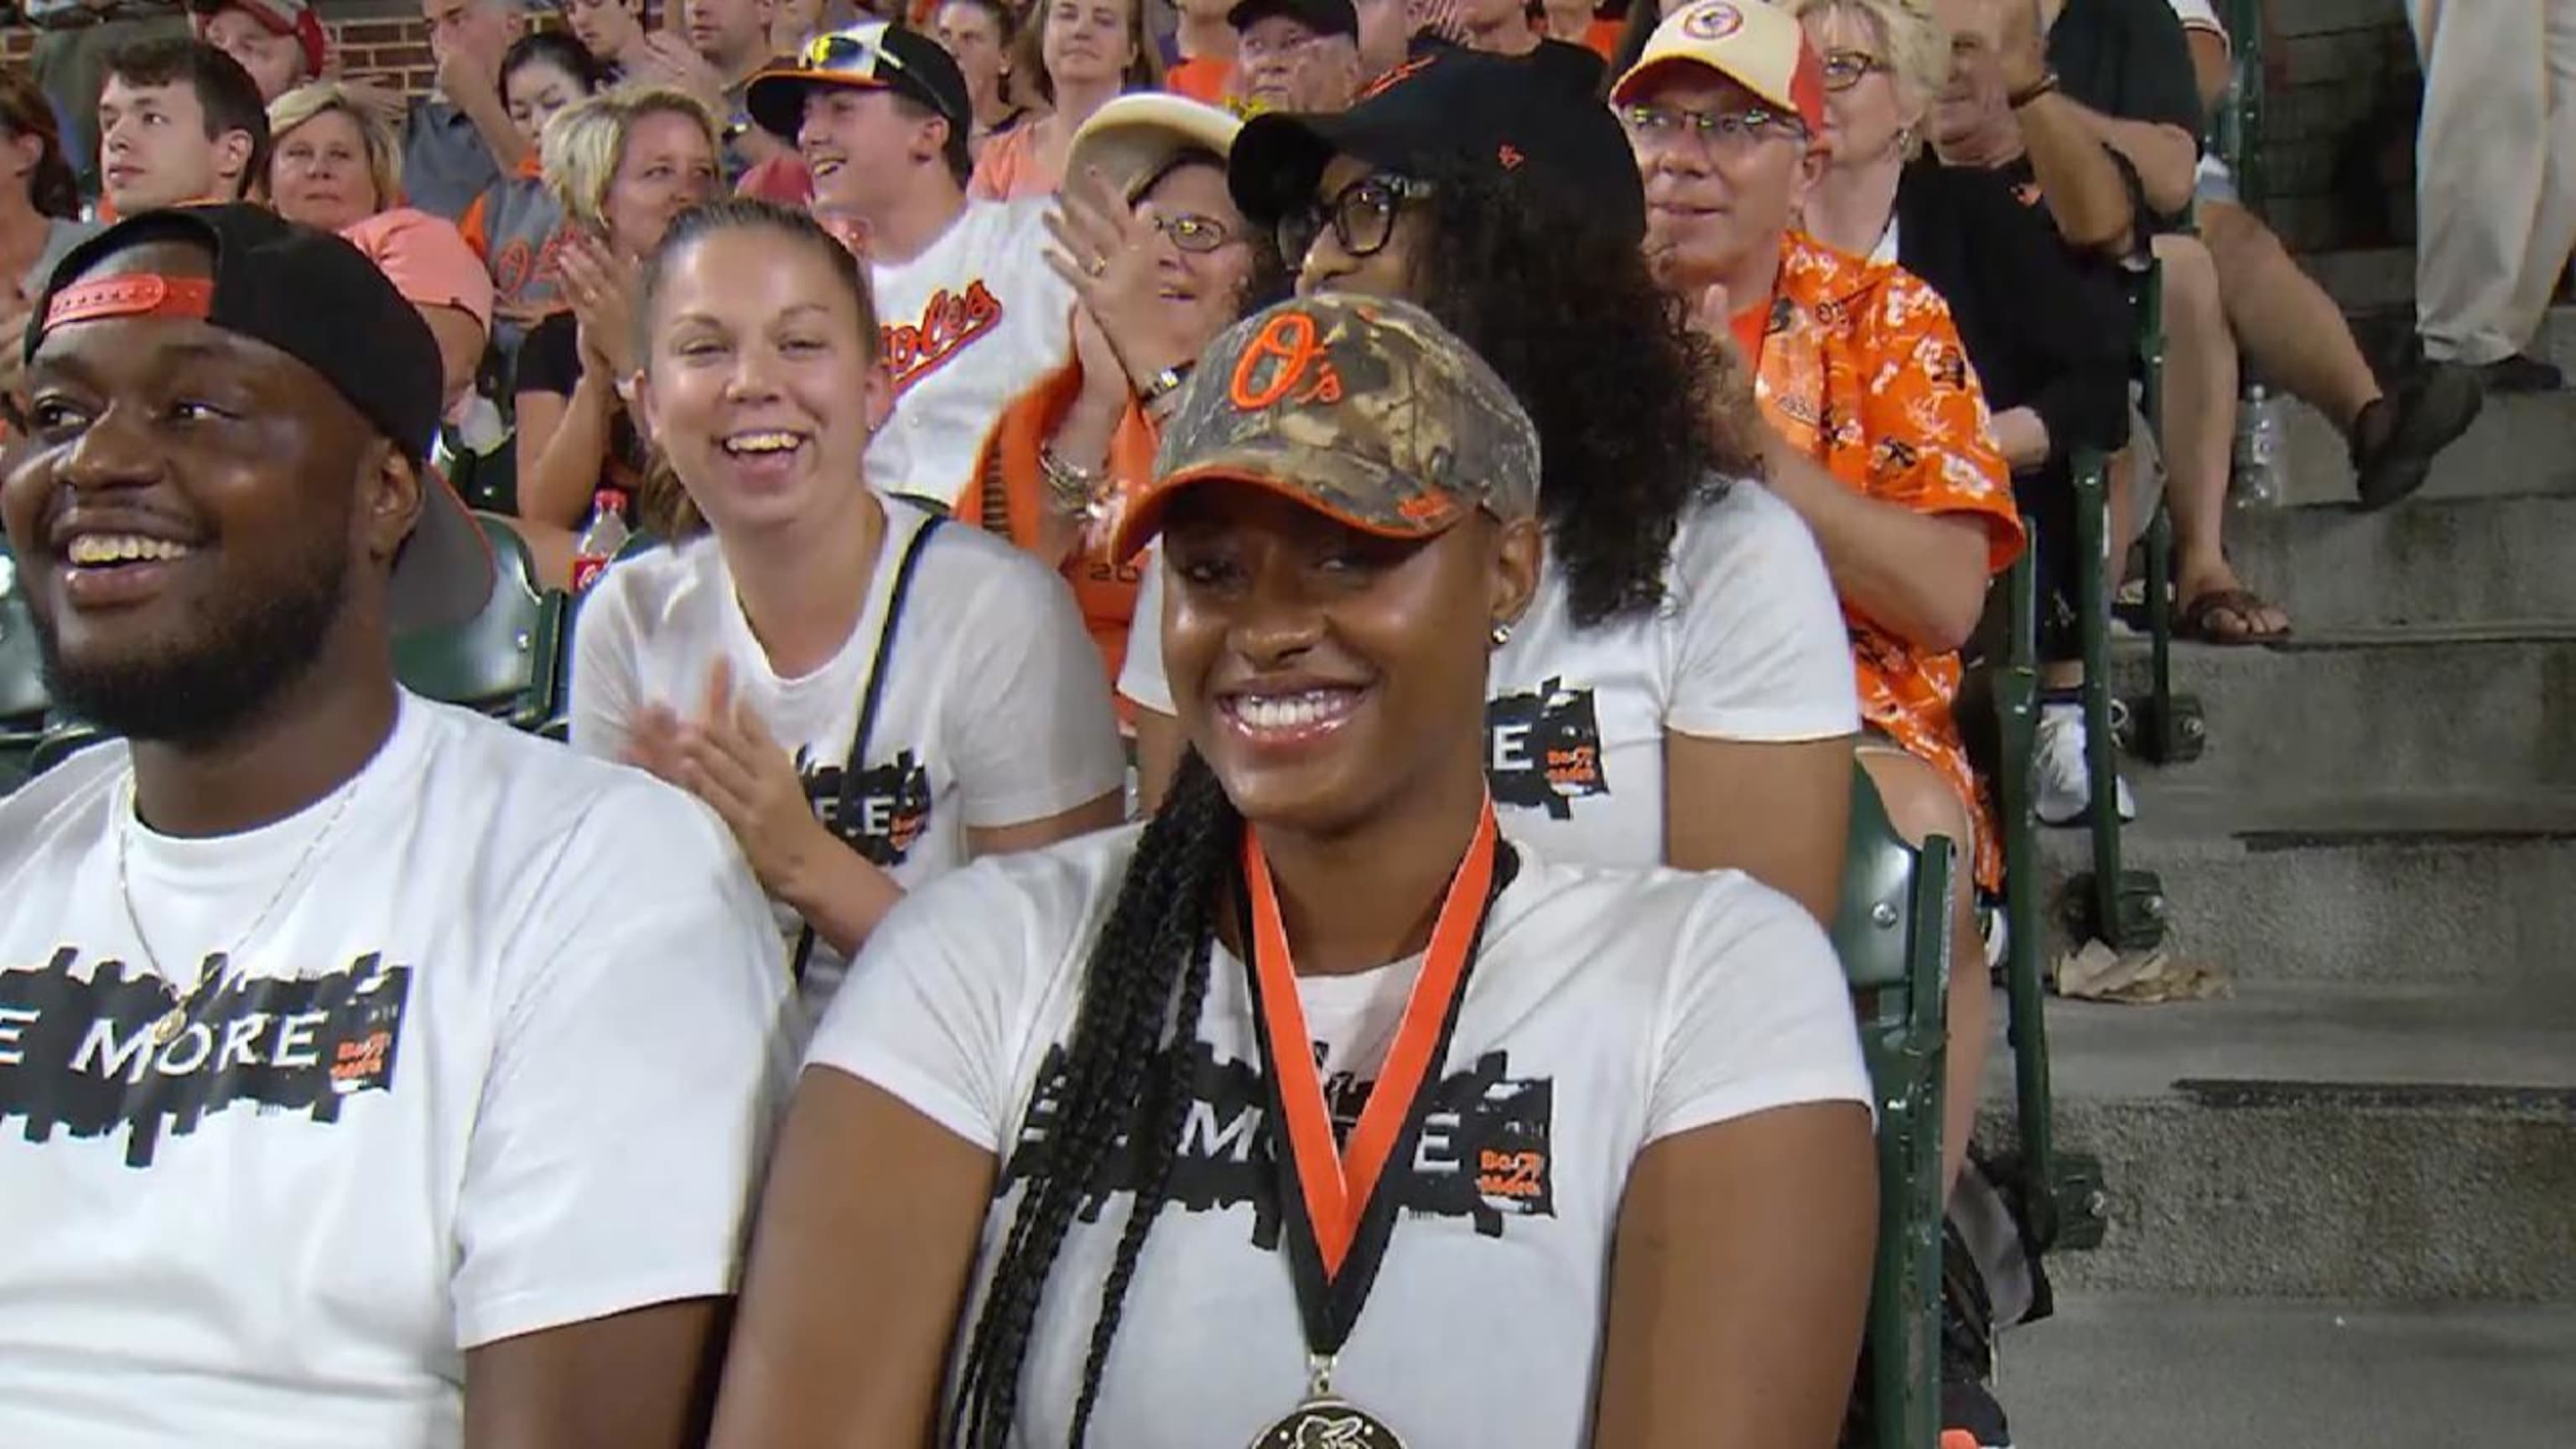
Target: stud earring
x=1502, y=635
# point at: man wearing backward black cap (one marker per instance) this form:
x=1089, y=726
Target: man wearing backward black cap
x=361, y=1080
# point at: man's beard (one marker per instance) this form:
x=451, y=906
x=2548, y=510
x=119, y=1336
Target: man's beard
x=208, y=691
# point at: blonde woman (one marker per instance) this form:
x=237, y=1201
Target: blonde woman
x=331, y=162
x=623, y=165
x=1087, y=52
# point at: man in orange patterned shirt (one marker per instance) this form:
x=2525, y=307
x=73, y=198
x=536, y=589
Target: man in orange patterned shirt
x=1879, y=430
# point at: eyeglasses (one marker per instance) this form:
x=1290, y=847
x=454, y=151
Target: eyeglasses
x=1362, y=216
x=1193, y=233
x=1252, y=51
x=1847, y=68
x=1716, y=131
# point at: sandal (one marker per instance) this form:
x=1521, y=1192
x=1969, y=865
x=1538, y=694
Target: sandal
x=2198, y=619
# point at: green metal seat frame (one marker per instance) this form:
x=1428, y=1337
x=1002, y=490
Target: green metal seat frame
x=1892, y=931
x=489, y=662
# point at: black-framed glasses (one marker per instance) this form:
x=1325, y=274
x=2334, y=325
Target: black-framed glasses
x=1362, y=216
x=1847, y=68
x=1193, y=233
x=1726, y=131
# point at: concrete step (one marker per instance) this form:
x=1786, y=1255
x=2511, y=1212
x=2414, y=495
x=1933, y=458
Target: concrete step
x=2473, y=891
x=2439, y=561
x=2434, y=708
x=2140, y=1371
x=2519, y=445
x=2322, y=1141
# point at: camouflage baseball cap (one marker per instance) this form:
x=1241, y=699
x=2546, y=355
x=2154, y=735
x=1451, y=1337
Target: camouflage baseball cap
x=1362, y=408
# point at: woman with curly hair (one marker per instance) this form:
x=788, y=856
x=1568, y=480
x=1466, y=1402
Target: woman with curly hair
x=1681, y=693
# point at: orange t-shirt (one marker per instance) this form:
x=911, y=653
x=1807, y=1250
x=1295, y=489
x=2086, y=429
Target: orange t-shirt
x=1007, y=168
x=1863, y=370
x=1602, y=36
x=1201, y=78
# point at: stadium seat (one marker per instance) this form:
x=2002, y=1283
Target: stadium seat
x=551, y=714
x=1892, y=931
x=489, y=662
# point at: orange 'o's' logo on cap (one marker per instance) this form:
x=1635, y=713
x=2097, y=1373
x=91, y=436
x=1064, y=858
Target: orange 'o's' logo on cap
x=1713, y=21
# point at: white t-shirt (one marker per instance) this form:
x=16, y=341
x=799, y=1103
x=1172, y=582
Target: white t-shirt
x=2201, y=15
x=993, y=711
x=1747, y=645
x=969, y=325
x=497, y=1070
x=1607, y=1010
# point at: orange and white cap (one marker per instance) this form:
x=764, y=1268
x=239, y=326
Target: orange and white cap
x=1760, y=47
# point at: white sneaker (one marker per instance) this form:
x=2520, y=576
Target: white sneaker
x=2063, y=788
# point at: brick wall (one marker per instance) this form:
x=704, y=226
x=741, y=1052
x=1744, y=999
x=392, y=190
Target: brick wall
x=392, y=46
x=2342, y=88
x=373, y=41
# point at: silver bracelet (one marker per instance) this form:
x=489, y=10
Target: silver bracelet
x=1074, y=491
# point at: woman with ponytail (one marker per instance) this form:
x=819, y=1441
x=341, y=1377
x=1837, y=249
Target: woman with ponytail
x=868, y=699
x=1312, y=1111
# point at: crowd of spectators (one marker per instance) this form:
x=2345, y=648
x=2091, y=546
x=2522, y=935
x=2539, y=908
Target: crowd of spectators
x=1652, y=403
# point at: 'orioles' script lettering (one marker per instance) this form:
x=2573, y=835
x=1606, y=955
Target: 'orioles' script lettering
x=950, y=321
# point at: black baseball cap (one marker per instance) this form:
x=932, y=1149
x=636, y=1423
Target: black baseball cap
x=871, y=55
x=1324, y=17
x=317, y=299
x=1444, y=111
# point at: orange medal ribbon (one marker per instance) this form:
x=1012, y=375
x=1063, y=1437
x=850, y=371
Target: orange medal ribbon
x=1337, y=1184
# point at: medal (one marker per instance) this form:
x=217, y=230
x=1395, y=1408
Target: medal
x=168, y=1027
x=1336, y=1220
x=1324, y=1421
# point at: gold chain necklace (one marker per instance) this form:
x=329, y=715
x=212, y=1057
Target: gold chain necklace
x=175, y=1020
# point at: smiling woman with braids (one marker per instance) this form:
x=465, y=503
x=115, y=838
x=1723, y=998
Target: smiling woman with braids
x=1681, y=693
x=1068, y=1164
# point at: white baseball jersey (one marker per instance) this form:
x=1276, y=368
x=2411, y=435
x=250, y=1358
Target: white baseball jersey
x=969, y=324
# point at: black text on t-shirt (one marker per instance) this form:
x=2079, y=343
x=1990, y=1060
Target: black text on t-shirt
x=1544, y=749
x=1483, y=1152
x=890, y=808
x=81, y=1054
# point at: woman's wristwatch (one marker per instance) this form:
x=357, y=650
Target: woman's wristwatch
x=2045, y=85
x=1162, y=387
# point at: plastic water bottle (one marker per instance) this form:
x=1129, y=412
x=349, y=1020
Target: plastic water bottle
x=600, y=541
x=2257, y=474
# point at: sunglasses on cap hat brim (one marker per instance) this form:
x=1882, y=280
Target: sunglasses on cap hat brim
x=776, y=95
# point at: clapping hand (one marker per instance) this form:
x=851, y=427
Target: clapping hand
x=727, y=758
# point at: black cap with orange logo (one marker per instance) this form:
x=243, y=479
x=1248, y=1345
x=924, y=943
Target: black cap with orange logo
x=1447, y=111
